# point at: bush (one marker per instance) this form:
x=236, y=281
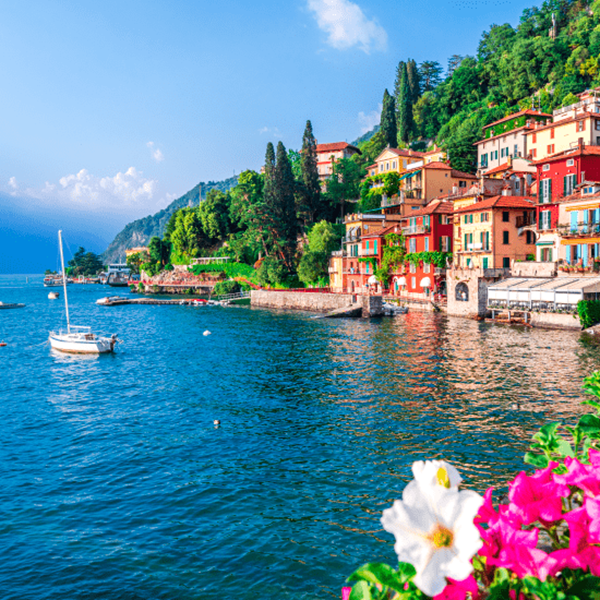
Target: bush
x=589, y=312
x=226, y=287
x=272, y=272
x=313, y=266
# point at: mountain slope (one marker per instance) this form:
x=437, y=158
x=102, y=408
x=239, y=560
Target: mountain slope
x=139, y=232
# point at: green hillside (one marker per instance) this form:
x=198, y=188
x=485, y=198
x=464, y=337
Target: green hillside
x=139, y=232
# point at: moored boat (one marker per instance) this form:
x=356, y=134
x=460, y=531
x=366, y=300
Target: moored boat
x=11, y=305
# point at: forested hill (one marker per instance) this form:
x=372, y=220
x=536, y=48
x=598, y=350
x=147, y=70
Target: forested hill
x=138, y=233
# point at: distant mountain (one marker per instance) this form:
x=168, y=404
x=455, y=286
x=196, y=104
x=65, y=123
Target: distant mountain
x=139, y=232
x=366, y=136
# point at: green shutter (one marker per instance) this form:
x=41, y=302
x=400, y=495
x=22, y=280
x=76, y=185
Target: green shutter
x=565, y=185
x=549, y=190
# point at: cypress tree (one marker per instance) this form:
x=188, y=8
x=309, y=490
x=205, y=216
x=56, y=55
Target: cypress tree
x=388, y=120
x=310, y=194
x=401, y=68
x=405, y=113
x=285, y=208
x=413, y=80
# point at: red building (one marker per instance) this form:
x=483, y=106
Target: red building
x=429, y=229
x=557, y=177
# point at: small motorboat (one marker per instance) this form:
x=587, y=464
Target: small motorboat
x=53, y=295
x=11, y=305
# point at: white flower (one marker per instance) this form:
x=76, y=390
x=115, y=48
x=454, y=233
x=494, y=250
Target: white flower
x=433, y=473
x=434, y=531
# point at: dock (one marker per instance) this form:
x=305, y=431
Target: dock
x=117, y=301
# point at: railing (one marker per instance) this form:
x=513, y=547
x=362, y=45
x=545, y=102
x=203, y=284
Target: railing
x=339, y=253
x=416, y=229
x=209, y=260
x=234, y=296
x=524, y=221
x=581, y=229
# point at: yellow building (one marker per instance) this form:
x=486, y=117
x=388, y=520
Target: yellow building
x=489, y=233
x=580, y=121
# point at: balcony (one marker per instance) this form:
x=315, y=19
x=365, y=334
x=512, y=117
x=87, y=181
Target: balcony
x=416, y=229
x=339, y=254
x=579, y=230
x=525, y=220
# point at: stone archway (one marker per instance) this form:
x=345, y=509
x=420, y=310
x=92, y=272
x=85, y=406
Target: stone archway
x=462, y=292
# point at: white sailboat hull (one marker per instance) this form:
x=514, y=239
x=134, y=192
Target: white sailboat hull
x=81, y=343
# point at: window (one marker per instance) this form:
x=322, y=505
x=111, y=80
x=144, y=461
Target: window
x=544, y=219
x=462, y=184
x=550, y=148
x=394, y=165
x=516, y=150
x=485, y=262
x=545, y=191
x=426, y=268
x=571, y=162
x=506, y=262
x=505, y=216
x=505, y=237
x=569, y=182
x=534, y=138
x=529, y=237
x=552, y=134
x=471, y=218
x=484, y=160
x=413, y=282
x=466, y=219
x=581, y=126
x=412, y=245
x=597, y=124
x=534, y=153
x=546, y=168
x=426, y=244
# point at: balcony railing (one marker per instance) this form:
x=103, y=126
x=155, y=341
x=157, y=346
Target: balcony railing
x=416, y=229
x=579, y=230
x=525, y=220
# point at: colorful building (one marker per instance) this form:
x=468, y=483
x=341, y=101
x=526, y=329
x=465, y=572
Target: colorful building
x=491, y=233
x=426, y=230
x=507, y=138
x=426, y=181
x=571, y=125
x=327, y=154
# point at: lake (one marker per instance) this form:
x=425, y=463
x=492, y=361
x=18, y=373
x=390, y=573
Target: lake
x=116, y=484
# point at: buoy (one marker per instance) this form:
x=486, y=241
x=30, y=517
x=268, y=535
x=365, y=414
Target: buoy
x=207, y=332
x=2, y=343
x=217, y=422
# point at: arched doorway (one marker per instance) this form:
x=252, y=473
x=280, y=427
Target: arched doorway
x=462, y=292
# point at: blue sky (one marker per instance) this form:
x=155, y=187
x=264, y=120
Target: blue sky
x=115, y=108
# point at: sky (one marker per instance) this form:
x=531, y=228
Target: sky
x=112, y=109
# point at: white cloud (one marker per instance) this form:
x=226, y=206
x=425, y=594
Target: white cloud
x=347, y=25
x=84, y=190
x=369, y=120
x=13, y=185
x=156, y=153
x=271, y=130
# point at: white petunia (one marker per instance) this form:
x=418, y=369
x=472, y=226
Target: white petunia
x=434, y=532
x=434, y=473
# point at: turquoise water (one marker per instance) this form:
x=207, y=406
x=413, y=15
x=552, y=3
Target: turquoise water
x=117, y=485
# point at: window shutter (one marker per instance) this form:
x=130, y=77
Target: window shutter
x=541, y=192
x=549, y=190
x=565, y=185
x=568, y=254
x=574, y=220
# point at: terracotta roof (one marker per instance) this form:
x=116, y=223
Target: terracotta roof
x=335, y=146
x=463, y=175
x=403, y=152
x=570, y=153
x=580, y=117
x=528, y=111
x=437, y=164
x=499, y=202
x=379, y=232
x=434, y=207
x=511, y=131
x=500, y=169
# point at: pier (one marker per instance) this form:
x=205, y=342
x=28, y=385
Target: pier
x=149, y=301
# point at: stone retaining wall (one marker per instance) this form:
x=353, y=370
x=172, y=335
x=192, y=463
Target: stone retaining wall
x=555, y=321
x=309, y=301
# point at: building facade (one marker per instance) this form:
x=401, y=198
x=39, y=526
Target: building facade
x=327, y=154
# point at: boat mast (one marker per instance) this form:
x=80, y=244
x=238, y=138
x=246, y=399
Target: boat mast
x=64, y=275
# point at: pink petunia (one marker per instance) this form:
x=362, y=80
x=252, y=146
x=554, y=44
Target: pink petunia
x=537, y=497
x=585, y=477
x=459, y=590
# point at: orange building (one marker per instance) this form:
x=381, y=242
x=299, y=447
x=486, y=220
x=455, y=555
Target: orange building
x=327, y=154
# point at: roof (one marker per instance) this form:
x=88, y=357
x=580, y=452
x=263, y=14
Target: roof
x=560, y=122
x=437, y=164
x=402, y=152
x=558, y=284
x=434, y=207
x=499, y=202
x=570, y=153
x=463, y=175
x=335, y=146
x=509, y=132
x=379, y=232
x=528, y=112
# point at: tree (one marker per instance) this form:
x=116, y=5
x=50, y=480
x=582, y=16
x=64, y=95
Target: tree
x=136, y=260
x=309, y=205
x=388, y=120
x=454, y=62
x=405, y=117
x=214, y=215
x=85, y=263
x=343, y=184
x=413, y=80
x=324, y=237
x=400, y=70
x=430, y=75
x=425, y=115
x=313, y=267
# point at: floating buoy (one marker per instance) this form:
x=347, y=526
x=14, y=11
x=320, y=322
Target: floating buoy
x=207, y=332
x=217, y=422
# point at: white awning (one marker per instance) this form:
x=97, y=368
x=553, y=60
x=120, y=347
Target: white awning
x=401, y=280
x=425, y=282
x=372, y=280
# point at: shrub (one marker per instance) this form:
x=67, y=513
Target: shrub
x=589, y=312
x=226, y=287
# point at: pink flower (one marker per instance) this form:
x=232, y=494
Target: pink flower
x=585, y=477
x=459, y=590
x=537, y=497
x=584, y=530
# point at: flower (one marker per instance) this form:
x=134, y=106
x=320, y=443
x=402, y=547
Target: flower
x=585, y=477
x=460, y=590
x=537, y=497
x=436, y=473
x=434, y=531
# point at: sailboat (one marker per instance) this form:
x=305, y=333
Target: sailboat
x=78, y=339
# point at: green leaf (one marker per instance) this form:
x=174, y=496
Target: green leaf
x=537, y=460
x=382, y=574
x=587, y=588
x=590, y=425
x=564, y=448
x=593, y=403
x=361, y=591
x=546, y=436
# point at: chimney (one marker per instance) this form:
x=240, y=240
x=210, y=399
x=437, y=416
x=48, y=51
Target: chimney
x=455, y=189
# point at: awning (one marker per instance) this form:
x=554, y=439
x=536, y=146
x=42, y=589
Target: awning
x=372, y=280
x=545, y=244
x=401, y=280
x=425, y=282
x=410, y=174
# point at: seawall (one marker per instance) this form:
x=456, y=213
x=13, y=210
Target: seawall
x=309, y=301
